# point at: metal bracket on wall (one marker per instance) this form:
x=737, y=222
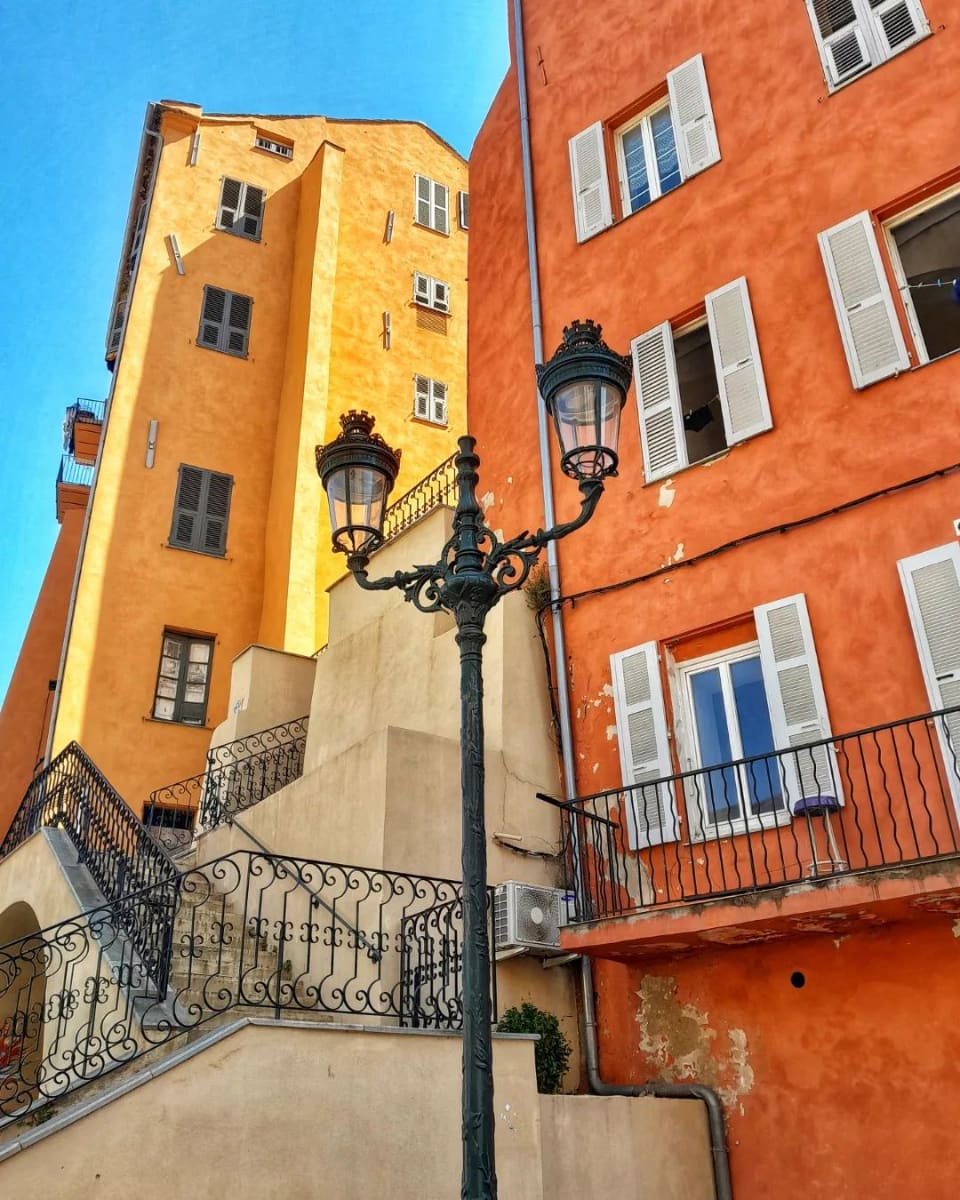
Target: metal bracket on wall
x=175, y=251
x=388, y=232
x=386, y=331
x=151, y=443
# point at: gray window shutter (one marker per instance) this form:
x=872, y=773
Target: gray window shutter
x=692, y=115
x=216, y=512
x=931, y=585
x=231, y=192
x=736, y=356
x=645, y=761
x=212, y=317
x=185, y=530
x=238, y=325
x=798, y=707
x=871, y=335
x=252, y=209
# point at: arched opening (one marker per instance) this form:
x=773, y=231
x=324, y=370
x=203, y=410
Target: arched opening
x=22, y=995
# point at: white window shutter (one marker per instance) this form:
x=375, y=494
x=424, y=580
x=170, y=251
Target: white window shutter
x=441, y=296
x=645, y=761
x=845, y=48
x=658, y=402
x=899, y=24
x=690, y=109
x=736, y=355
x=591, y=189
x=931, y=584
x=798, y=707
x=421, y=288
x=439, y=415
x=869, y=328
x=421, y=398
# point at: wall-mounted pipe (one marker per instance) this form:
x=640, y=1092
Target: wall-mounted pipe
x=688, y=1091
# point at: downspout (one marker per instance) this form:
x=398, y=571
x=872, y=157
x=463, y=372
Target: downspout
x=679, y=1091
x=75, y=586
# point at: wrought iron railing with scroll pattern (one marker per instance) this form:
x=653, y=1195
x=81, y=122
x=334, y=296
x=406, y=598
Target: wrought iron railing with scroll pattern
x=435, y=489
x=239, y=774
x=249, y=930
x=72, y=794
x=881, y=797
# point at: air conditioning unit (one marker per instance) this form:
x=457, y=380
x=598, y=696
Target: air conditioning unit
x=528, y=918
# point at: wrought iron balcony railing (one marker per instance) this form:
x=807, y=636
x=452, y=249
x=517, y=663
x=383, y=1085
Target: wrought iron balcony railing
x=888, y=796
x=73, y=795
x=249, y=931
x=439, y=487
x=239, y=774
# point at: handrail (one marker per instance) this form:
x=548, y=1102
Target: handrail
x=76, y=999
x=111, y=843
x=435, y=489
x=238, y=775
x=884, y=796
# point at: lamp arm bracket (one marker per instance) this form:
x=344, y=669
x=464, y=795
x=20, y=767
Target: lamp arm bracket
x=420, y=586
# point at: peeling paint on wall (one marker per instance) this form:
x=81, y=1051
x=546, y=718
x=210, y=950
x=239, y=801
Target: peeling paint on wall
x=667, y=493
x=611, y=732
x=682, y=1045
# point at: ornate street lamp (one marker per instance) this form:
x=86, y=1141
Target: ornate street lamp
x=584, y=387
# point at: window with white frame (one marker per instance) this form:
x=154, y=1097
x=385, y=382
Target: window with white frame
x=726, y=718
x=924, y=246
x=431, y=293
x=656, y=151
x=430, y=400
x=700, y=389
x=762, y=700
x=647, y=163
x=855, y=35
x=431, y=204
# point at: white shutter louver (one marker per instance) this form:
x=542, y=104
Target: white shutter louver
x=441, y=217
x=869, y=328
x=840, y=39
x=900, y=23
x=440, y=403
x=931, y=584
x=441, y=296
x=798, y=707
x=588, y=177
x=736, y=354
x=644, y=746
x=421, y=398
x=694, y=127
x=658, y=402
x=421, y=288
x=424, y=196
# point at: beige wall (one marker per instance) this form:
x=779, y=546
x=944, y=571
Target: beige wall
x=267, y=687
x=345, y=1114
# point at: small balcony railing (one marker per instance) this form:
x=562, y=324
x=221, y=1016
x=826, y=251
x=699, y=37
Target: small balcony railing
x=878, y=798
x=74, y=473
x=435, y=489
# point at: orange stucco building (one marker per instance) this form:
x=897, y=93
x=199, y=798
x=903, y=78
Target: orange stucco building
x=766, y=606
x=275, y=272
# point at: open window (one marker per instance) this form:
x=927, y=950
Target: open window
x=925, y=247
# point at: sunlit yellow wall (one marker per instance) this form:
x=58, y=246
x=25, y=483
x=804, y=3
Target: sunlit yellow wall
x=321, y=278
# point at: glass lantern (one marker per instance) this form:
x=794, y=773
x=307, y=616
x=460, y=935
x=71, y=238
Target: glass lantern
x=358, y=470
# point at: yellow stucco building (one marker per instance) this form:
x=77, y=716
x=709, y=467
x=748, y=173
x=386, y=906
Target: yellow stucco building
x=276, y=271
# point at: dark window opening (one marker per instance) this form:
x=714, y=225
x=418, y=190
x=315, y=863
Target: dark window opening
x=929, y=248
x=699, y=395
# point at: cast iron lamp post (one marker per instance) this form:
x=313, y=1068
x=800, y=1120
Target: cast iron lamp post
x=584, y=387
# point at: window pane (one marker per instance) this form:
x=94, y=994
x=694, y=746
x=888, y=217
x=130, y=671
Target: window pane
x=194, y=693
x=719, y=789
x=167, y=687
x=171, y=648
x=665, y=149
x=163, y=710
x=699, y=395
x=197, y=673
x=199, y=652
x=756, y=735
x=635, y=160
x=169, y=668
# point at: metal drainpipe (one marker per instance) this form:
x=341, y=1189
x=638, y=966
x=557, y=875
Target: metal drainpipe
x=682, y=1091
x=75, y=587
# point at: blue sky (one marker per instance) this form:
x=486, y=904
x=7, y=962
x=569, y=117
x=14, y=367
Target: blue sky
x=77, y=78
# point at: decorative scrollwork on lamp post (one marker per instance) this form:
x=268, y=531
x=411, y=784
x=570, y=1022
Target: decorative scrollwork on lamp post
x=584, y=387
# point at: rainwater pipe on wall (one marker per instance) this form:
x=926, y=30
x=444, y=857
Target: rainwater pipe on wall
x=148, y=120
x=675, y=1091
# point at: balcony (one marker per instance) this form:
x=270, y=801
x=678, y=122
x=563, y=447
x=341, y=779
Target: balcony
x=73, y=485
x=856, y=829
x=82, y=427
